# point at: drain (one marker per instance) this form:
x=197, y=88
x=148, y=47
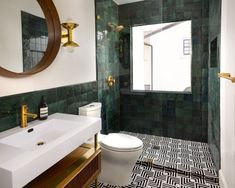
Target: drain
x=156, y=147
x=40, y=143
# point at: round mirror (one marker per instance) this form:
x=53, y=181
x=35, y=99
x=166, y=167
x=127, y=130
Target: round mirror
x=30, y=36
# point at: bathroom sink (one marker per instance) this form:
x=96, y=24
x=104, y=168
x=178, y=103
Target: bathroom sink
x=39, y=135
x=28, y=152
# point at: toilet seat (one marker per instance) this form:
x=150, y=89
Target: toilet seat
x=121, y=142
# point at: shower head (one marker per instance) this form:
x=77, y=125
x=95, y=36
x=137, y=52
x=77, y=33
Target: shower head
x=119, y=28
x=114, y=27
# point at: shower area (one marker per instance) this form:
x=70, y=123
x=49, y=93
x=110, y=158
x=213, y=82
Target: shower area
x=180, y=130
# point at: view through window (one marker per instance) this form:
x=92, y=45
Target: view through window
x=162, y=57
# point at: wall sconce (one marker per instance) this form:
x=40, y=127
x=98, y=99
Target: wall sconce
x=69, y=27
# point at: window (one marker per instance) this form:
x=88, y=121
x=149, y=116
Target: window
x=161, y=57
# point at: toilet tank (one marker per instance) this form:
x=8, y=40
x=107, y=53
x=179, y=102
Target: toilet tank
x=92, y=109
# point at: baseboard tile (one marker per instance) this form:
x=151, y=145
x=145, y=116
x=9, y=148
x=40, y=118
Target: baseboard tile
x=222, y=180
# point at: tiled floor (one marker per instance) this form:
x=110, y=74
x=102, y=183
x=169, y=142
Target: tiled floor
x=169, y=163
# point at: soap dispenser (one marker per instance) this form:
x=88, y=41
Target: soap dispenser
x=43, y=109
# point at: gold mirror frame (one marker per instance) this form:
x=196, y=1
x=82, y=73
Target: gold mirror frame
x=54, y=39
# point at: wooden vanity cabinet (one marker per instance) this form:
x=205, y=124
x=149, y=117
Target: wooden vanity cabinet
x=77, y=170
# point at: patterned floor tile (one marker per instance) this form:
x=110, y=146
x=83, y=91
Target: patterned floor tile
x=179, y=154
x=172, y=163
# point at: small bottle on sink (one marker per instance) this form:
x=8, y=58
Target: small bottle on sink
x=43, y=109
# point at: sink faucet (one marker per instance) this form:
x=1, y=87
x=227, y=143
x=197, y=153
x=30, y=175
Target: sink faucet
x=24, y=115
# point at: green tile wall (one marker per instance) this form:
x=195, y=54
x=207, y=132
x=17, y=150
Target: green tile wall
x=214, y=83
x=182, y=116
x=34, y=39
x=63, y=99
x=107, y=57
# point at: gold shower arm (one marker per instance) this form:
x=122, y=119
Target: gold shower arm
x=227, y=76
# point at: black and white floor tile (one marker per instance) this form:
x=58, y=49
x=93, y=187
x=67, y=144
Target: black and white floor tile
x=172, y=163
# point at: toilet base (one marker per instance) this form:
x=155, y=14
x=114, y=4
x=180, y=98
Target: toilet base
x=116, y=167
x=113, y=175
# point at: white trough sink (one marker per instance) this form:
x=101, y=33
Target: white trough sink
x=25, y=153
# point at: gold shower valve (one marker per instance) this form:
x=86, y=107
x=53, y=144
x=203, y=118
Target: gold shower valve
x=110, y=81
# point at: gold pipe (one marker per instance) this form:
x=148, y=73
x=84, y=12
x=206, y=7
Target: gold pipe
x=96, y=146
x=96, y=183
x=23, y=117
x=227, y=76
x=70, y=35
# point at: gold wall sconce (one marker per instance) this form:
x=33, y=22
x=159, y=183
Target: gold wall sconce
x=110, y=81
x=69, y=36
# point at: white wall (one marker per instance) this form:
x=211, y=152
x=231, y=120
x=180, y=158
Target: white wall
x=147, y=65
x=227, y=96
x=138, y=58
x=171, y=69
x=67, y=68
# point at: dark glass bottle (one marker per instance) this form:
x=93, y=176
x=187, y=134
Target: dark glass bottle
x=43, y=109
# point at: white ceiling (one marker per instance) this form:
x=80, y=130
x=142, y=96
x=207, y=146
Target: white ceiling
x=120, y=2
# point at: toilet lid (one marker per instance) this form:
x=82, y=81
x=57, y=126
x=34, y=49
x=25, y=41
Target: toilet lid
x=121, y=142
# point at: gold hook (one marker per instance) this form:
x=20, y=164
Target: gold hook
x=226, y=76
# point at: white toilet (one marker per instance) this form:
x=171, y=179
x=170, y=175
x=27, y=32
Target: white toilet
x=119, y=151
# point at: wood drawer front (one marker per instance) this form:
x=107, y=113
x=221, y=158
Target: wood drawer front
x=87, y=175
x=77, y=170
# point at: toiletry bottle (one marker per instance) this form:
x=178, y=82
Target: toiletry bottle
x=43, y=109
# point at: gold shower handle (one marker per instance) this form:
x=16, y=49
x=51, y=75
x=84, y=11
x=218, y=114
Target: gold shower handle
x=227, y=76
x=110, y=81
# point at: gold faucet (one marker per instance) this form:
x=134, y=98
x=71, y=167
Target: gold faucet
x=24, y=115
